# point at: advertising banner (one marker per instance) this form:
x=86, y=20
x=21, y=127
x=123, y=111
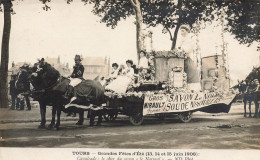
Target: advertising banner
x=181, y=102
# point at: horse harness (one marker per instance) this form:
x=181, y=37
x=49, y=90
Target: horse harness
x=47, y=88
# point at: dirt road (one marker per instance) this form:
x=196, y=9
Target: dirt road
x=205, y=131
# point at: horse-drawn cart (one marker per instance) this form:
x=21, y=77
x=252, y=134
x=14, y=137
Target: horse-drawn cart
x=167, y=92
x=137, y=104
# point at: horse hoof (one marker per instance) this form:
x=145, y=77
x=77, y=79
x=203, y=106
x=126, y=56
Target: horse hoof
x=98, y=124
x=91, y=125
x=50, y=126
x=57, y=128
x=41, y=127
x=79, y=123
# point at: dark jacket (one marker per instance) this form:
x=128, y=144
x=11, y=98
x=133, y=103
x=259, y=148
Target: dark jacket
x=78, y=71
x=12, y=87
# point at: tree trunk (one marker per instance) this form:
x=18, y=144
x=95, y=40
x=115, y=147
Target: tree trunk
x=174, y=40
x=139, y=21
x=5, y=54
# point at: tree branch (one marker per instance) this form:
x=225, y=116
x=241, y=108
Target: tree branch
x=132, y=2
x=169, y=32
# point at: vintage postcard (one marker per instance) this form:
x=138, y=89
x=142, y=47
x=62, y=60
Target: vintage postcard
x=129, y=79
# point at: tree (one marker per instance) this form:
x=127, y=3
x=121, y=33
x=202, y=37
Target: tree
x=7, y=5
x=7, y=9
x=243, y=17
x=170, y=14
x=112, y=11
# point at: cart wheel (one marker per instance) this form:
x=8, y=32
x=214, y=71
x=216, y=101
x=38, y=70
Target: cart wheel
x=160, y=116
x=137, y=119
x=106, y=118
x=112, y=117
x=185, y=117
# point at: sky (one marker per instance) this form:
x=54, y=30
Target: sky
x=72, y=29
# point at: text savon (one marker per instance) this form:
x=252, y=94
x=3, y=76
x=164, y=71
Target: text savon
x=180, y=102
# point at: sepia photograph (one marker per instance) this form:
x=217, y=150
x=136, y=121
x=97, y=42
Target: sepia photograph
x=150, y=79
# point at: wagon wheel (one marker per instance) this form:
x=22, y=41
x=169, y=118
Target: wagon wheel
x=185, y=117
x=136, y=119
x=106, y=117
x=112, y=117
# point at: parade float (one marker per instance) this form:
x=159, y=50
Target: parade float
x=163, y=89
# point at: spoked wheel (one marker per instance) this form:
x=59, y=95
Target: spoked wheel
x=136, y=119
x=112, y=117
x=106, y=117
x=185, y=117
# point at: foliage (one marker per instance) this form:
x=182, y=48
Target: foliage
x=243, y=20
x=242, y=15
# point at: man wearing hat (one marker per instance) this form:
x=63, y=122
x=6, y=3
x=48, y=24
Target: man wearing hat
x=26, y=88
x=13, y=91
x=76, y=76
x=253, y=91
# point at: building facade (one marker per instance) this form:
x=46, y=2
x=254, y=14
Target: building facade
x=96, y=66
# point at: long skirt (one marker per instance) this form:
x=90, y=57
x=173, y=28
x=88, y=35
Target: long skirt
x=193, y=76
x=120, y=84
x=191, y=70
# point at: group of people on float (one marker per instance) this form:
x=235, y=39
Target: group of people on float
x=121, y=76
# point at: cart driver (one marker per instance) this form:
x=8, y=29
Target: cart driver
x=76, y=76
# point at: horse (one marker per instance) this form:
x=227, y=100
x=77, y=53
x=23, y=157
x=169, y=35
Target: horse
x=242, y=87
x=252, y=92
x=50, y=88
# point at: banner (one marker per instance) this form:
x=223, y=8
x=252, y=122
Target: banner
x=181, y=102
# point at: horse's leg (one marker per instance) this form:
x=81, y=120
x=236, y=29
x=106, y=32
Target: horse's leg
x=81, y=117
x=28, y=104
x=256, y=108
x=43, y=112
x=100, y=113
x=249, y=106
x=245, y=101
x=57, y=125
x=92, y=117
x=53, y=114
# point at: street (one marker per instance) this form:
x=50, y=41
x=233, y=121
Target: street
x=204, y=131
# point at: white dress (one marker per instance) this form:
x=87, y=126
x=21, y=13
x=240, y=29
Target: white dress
x=143, y=62
x=190, y=68
x=120, y=84
x=114, y=73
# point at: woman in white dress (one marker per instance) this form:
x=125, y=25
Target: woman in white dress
x=143, y=67
x=115, y=70
x=143, y=62
x=120, y=84
x=190, y=67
